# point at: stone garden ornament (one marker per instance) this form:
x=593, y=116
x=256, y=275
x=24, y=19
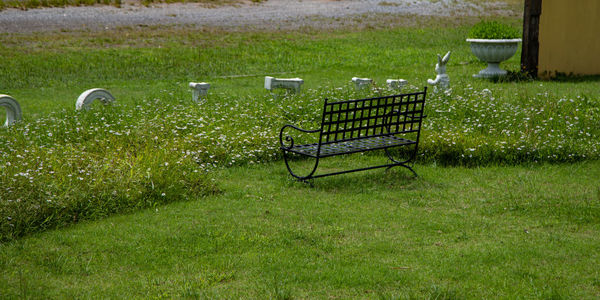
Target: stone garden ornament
x=493, y=52
x=396, y=84
x=199, y=90
x=362, y=83
x=441, y=79
x=290, y=84
x=13, y=109
x=493, y=42
x=86, y=98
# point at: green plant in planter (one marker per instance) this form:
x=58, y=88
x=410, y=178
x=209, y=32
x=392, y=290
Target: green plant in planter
x=493, y=30
x=493, y=42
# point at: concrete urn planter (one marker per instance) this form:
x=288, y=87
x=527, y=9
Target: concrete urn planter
x=493, y=52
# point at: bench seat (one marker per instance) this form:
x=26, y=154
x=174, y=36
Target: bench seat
x=352, y=146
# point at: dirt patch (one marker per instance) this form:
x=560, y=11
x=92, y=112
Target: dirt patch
x=269, y=15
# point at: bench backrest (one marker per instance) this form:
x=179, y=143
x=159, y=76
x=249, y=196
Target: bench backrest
x=388, y=115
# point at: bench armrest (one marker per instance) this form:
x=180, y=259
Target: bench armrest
x=289, y=139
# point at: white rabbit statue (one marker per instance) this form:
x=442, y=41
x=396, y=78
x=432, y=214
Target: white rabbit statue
x=442, y=80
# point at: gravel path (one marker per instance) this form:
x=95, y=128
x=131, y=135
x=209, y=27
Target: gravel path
x=272, y=14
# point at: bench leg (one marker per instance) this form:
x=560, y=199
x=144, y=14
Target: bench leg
x=404, y=165
x=401, y=163
x=395, y=163
x=301, y=178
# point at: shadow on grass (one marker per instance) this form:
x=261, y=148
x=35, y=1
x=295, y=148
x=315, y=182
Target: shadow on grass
x=562, y=77
x=513, y=76
x=520, y=76
x=397, y=178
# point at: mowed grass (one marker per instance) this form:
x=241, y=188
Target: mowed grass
x=453, y=233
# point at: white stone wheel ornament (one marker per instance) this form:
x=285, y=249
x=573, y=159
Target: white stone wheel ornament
x=86, y=98
x=13, y=109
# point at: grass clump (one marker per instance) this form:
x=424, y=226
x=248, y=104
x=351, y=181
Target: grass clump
x=472, y=127
x=493, y=30
x=72, y=166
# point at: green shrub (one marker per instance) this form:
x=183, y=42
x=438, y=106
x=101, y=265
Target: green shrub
x=493, y=30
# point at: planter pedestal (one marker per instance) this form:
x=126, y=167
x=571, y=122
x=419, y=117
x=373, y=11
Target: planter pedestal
x=493, y=52
x=492, y=70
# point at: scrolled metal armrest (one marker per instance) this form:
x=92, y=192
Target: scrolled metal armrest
x=288, y=138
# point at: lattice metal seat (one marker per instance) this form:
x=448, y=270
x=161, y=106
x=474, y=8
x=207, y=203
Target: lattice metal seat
x=362, y=125
x=352, y=146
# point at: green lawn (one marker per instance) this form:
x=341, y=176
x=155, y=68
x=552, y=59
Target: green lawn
x=495, y=232
x=159, y=197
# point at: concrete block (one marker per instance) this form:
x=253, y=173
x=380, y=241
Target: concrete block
x=362, y=83
x=396, y=84
x=291, y=84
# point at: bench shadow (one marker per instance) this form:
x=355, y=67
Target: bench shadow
x=397, y=178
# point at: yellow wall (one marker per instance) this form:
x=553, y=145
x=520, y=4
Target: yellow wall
x=569, y=37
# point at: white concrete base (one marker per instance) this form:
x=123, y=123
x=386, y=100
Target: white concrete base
x=86, y=98
x=291, y=84
x=13, y=109
x=199, y=90
x=493, y=70
x=396, y=84
x=362, y=83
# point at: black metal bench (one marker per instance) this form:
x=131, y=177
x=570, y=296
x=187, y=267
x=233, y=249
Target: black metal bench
x=362, y=125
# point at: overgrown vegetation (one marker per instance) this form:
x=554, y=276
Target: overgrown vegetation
x=69, y=166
